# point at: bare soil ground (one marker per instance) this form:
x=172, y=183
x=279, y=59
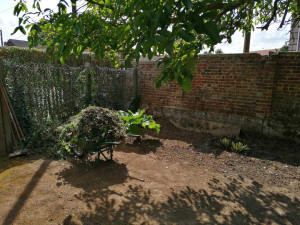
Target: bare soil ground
x=178, y=177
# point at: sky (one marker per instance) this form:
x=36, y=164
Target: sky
x=260, y=40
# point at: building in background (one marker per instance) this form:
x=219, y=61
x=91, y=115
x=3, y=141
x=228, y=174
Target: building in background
x=265, y=51
x=20, y=44
x=17, y=43
x=294, y=42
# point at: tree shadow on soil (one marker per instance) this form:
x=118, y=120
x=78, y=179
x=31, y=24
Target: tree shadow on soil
x=262, y=147
x=19, y=204
x=274, y=149
x=224, y=203
x=79, y=175
x=143, y=147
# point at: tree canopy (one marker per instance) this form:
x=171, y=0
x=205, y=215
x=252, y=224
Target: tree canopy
x=177, y=29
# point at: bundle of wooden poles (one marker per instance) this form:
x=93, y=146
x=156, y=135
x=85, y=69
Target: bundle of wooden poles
x=15, y=128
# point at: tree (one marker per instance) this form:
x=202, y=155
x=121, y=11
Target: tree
x=219, y=51
x=178, y=29
x=284, y=48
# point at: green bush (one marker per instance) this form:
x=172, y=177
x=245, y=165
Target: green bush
x=137, y=123
x=25, y=55
x=44, y=140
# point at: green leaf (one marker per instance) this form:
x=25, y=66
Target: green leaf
x=15, y=30
x=211, y=29
x=133, y=129
x=187, y=36
x=186, y=84
x=24, y=7
x=188, y=3
x=150, y=55
x=22, y=30
x=152, y=124
x=164, y=32
x=169, y=49
x=38, y=6
x=128, y=62
x=159, y=38
x=158, y=82
x=127, y=29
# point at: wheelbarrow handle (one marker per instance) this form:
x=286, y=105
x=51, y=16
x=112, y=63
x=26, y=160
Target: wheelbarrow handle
x=133, y=135
x=109, y=143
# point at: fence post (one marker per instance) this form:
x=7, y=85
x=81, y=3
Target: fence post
x=2, y=132
x=5, y=132
x=136, y=82
x=88, y=84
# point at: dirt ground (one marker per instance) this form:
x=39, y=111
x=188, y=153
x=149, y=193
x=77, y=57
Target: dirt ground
x=178, y=177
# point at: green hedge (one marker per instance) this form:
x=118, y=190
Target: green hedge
x=25, y=55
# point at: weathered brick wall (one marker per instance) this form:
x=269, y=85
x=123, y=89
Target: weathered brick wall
x=285, y=109
x=229, y=89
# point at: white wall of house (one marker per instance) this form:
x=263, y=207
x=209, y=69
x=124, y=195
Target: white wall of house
x=294, y=42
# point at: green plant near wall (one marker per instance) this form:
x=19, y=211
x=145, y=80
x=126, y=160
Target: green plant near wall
x=239, y=147
x=230, y=144
x=225, y=143
x=137, y=123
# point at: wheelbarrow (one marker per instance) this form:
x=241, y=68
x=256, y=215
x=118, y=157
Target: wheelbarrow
x=103, y=149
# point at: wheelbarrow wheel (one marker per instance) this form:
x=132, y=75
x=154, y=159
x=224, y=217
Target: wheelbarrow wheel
x=79, y=152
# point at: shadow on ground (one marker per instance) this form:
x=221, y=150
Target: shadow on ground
x=79, y=175
x=262, y=147
x=29, y=188
x=229, y=203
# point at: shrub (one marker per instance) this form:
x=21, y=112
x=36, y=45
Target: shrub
x=137, y=123
x=44, y=140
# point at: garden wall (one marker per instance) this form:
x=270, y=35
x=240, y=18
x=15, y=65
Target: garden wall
x=230, y=92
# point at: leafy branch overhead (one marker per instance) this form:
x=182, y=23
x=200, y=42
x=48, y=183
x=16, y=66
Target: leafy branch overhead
x=178, y=29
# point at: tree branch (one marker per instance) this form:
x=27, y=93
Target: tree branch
x=285, y=13
x=265, y=27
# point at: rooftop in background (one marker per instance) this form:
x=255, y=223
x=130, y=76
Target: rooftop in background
x=19, y=43
x=264, y=52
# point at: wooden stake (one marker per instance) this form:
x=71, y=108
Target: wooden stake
x=9, y=111
x=12, y=109
x=7, y=114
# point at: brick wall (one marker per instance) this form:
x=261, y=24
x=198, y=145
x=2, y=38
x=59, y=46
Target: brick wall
x=251, y=91
x=285, y=109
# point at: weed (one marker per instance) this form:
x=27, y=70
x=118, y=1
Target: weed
x=225, y=142
x=239, y=147
x=231, y=144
